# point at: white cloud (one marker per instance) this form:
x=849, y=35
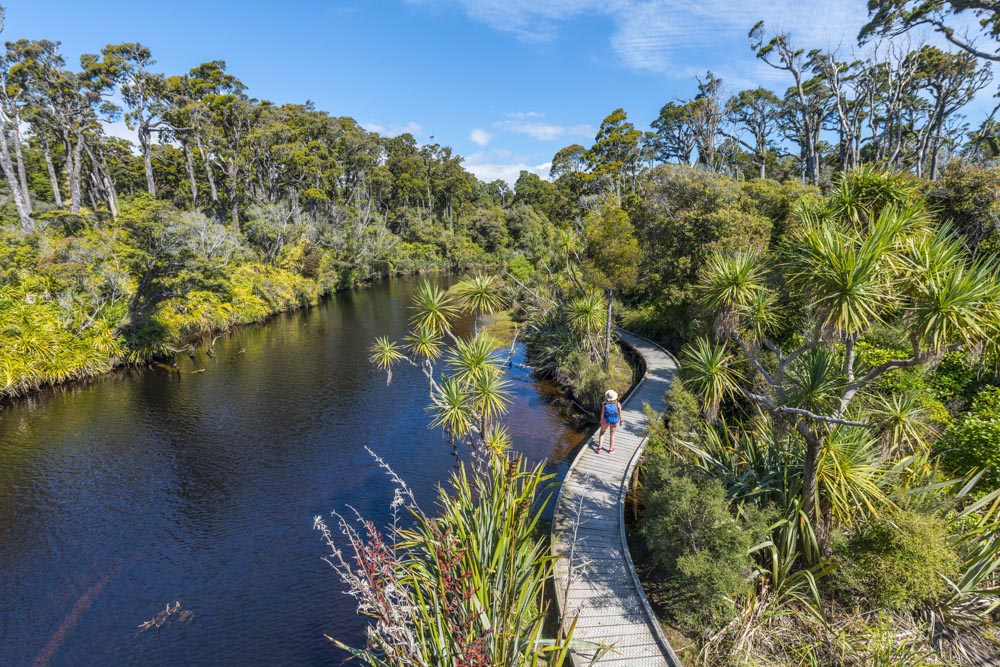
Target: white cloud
x=394, y=129
x=541, y=130
x=648, y=34
x=480, y=137
x=523, y=115
x=492, y=165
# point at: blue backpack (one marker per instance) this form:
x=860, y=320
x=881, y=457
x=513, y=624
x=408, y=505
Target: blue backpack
x=611, y=413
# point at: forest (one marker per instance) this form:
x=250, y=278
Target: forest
x=821, y=488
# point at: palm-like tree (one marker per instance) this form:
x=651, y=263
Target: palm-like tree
x=731, y=285
x=473, y=395
x=869, y=257
x=480, y=294
x=451, y=408
x=481, y=353
x=587, y=316
x=384, y=354
x=424, y=344
x=433, y=309
x=709, y=371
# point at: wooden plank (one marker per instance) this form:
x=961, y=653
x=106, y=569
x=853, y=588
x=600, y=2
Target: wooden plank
x=600, y=588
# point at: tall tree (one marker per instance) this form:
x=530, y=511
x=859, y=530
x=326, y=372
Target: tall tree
x=674, y=140
x=708, y=113
x=615, y=154
x=841, y=81
x=126, y=67
x=951, y=81
x=9, y=125
x=757, y=112
x=781, y=55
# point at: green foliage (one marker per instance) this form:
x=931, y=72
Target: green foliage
x=585, y=379
x=466, y=586
x=612, y=249
x=967, y=196
x=697, y=546
x=683, y=217
x=681, y=420
x=974, y=440
x=899, y=561
x=954, y=380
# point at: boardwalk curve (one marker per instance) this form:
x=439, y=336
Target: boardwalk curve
x=595, y=580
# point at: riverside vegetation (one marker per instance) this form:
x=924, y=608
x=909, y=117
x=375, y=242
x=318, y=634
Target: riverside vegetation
x=821, y=488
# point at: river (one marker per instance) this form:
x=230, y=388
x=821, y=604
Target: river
x=133, y=492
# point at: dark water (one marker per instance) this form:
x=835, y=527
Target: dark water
x=123, y=496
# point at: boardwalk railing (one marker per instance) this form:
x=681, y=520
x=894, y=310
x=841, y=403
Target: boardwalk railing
x=595, y=579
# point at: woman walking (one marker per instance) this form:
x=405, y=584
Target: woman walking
x=611, y=418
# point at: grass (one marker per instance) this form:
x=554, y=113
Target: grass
x=501, y=325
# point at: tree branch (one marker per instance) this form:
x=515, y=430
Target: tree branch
x=753, y=359
x=768, y=403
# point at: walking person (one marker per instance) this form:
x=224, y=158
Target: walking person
x=611, y=418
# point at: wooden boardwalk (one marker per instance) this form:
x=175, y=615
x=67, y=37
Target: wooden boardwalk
x=595, y=580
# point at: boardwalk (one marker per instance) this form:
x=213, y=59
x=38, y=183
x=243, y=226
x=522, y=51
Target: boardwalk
x=594, y=574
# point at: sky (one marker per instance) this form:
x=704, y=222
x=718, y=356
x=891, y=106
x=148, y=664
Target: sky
x=505, y=83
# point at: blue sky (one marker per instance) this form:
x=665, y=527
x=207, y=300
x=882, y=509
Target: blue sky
x=506, y=83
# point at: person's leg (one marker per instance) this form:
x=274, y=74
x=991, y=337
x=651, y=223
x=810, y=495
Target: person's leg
x=600, y=438
x=611, y=447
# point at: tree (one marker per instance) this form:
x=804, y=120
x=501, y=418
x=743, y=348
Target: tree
x=674, y=140
x=10, y=124
x=870, y=257
x=779, y=54
x=756, y=111
x=707, y=114
x=469, y=400
x=841, y=79
x=894, y=17
x=126, y=67
x=951, y=82
x=612, y=251
x=614, y=157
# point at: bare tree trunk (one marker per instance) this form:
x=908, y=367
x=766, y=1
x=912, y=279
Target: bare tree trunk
x=809, y=481
x=147, y=158
x=189, y=162
x=74, y=156
x=91, y=189
x=56, y=196
x=208, y=171
x=233, y=175
x=10, y=171
x=15, y=134
x=103, y=182
x=607, y=335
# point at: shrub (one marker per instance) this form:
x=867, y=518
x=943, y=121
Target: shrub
x=897, y=561
x=974, y=440
x=954, y=380
x=696, y=545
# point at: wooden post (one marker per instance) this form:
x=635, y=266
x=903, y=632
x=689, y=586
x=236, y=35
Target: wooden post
x=607, y=335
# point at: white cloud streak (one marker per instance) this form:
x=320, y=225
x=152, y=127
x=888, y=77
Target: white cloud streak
x=648, y=34
x=531, y=124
